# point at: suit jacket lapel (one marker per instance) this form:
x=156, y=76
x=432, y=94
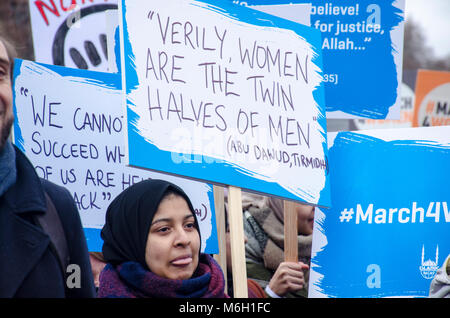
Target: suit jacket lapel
x=22, y=244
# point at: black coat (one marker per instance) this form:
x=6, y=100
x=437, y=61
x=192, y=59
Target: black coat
x=28, y=265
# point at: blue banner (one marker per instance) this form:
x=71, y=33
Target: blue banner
x=362, y=44
x=388, y=229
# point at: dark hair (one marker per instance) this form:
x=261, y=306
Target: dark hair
x=11, y=52
x=129, y=217
x=227, y=224
x=170, y=192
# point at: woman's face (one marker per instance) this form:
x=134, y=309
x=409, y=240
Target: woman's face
x=305, y=218
x=173, y=242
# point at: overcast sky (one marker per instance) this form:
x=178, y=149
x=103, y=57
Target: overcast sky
x=434, y=17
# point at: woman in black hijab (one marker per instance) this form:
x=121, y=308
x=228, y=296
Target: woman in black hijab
x=152, y=246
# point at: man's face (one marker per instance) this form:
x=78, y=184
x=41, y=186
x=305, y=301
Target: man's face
x=6, y=111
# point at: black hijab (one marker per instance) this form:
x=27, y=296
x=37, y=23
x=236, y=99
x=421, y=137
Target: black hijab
x=128, y=220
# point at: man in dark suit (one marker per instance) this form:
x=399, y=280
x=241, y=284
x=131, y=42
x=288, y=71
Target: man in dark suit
x=30, y=262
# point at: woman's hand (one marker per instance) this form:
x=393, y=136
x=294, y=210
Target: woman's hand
x=289, y=277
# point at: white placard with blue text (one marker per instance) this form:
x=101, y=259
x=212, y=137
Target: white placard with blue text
x=70, y=124
x=362, y=43
x=387, y=232
x=227, y=94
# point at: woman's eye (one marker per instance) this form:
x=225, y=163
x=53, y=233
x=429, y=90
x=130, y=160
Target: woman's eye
x=190, y=225
x=163, y=229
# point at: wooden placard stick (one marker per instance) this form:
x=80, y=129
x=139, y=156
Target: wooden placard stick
x=219, y=204
x=290, y=232
x=236, y=224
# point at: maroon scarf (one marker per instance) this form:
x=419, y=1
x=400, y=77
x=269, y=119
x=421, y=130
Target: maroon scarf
x=132, y=280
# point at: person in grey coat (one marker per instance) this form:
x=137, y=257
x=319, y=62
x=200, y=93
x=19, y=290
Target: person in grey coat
x=30, y=262
x=264, y=250
x=440, y=285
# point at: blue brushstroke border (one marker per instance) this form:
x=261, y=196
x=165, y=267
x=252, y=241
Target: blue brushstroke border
x=139, y=149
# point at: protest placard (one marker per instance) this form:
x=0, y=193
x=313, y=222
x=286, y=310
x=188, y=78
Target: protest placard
x=432, y=106
x=70, y=124
x=227, y=94
x=406, y=107
x=387, y=231
x=298, y=12
x=362, y=45
x=70, y=33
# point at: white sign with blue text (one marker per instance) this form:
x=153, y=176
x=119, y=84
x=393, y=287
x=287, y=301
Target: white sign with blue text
x=227, y=94
x=70, y=124
x=387, y=232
